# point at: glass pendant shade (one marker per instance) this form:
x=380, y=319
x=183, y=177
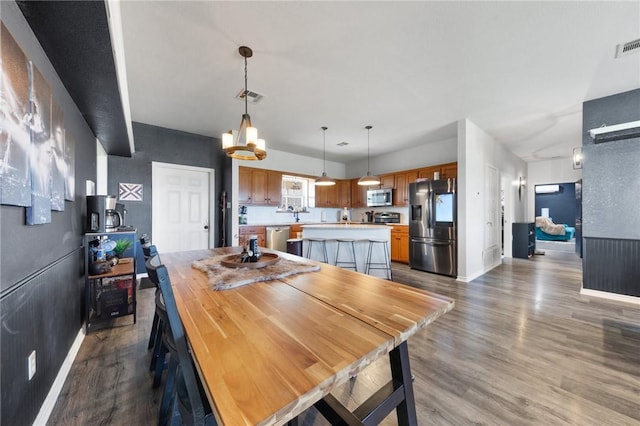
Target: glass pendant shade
x=324, y=180
x=368, y=179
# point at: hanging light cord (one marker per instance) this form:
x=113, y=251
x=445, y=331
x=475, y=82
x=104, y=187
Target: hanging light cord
x=324, y=153
x=368, y=151
x=245, y=86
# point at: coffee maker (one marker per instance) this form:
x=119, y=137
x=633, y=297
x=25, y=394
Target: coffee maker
x=102, y=215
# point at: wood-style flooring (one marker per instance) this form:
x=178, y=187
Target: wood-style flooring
x=521, y=347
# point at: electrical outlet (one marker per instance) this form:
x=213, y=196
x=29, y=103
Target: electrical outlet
x=32, y=364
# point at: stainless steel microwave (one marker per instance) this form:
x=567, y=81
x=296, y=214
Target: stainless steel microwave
x=379, y=197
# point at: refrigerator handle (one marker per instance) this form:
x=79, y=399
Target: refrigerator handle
x=428, y=209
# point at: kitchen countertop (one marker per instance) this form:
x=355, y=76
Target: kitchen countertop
x=324, y=224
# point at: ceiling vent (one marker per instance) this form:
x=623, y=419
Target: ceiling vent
x=628, y=48
x=253, y=97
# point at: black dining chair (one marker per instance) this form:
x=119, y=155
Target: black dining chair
x=149, y=252
x=183, y=397
x=156, y=340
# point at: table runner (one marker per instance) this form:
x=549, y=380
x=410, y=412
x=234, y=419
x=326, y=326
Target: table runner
x=224, y=278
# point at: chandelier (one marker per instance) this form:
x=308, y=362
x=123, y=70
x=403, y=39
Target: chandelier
x=251, y=148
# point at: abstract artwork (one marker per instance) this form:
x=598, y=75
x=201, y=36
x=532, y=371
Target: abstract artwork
x=70, y=161
x=130, y=192
x=58, y=164
x=37, y=157
x=15, y=177
x=40, y=155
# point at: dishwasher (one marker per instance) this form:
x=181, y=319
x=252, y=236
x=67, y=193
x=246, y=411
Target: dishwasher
x=277, y=237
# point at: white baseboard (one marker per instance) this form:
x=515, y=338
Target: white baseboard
x=56, y=387
x=611, y=296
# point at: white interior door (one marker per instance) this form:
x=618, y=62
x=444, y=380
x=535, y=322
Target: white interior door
x=492, y=227
x=182, y=212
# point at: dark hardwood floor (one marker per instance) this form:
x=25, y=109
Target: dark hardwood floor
x=521, y=346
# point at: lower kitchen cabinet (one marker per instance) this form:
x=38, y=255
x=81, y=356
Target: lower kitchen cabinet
x=400, y=243
x=294, y=229
x=246, y=232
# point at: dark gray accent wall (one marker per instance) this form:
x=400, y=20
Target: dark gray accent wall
x=164, y=145
x=611, y=170
x=561, y=205
x=610, y=208
x=42, y=311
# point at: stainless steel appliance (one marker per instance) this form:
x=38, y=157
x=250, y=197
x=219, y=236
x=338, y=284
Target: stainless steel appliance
x=432, y=226
x=277, y=237
x=386, y=217
x=102, y=215
x=379, y=197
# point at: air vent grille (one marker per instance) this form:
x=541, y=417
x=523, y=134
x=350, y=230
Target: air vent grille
x=253, y=97
x=628, y=48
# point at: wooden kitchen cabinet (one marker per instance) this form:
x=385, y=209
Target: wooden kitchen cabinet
x=358, y=194
x=401, y=193
x=449, y=170
x=400, y=243
x=244, y=186
x=246, y=232
x=294, y=229
x=259, y=186
x=327, y=196
x=387, y=181
x=344, y=193
x=428, y=172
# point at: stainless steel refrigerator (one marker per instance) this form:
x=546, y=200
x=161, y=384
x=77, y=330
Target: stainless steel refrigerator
x=432, y=226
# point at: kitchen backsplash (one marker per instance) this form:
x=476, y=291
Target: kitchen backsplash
x=257, y=215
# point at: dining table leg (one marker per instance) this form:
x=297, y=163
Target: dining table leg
x=401, y=372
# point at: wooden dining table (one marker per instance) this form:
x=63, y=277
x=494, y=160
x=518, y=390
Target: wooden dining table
x=267, y=351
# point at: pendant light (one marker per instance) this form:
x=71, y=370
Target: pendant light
x=251, y=148
x=324, y=180
x=368, y=179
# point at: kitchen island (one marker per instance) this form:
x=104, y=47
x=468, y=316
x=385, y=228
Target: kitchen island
x=360, y=233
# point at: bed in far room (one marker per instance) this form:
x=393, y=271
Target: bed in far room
x=549, y=231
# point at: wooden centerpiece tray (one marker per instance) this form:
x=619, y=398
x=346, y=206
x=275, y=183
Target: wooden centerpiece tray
x=235, y=261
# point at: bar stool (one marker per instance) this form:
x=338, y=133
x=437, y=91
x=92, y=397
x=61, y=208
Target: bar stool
x=386, y=265
x=346, y=263
x=321, y=242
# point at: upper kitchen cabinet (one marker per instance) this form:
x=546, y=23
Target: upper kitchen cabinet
x=344, y=193
x=358, y=194
x=449, y=170
x=338, y=195
x=244, y=186
x=259, y=186
x=387, y=181
x=428, y=172
x=326, y=196
x=402, y=181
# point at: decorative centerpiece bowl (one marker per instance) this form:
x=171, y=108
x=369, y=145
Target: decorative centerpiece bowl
x=240, y=261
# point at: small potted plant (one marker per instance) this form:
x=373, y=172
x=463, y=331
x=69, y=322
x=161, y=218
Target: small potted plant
x=121, y=247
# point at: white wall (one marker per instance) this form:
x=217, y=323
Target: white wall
x=550, y=171
x=476, y=150
x=429, y=154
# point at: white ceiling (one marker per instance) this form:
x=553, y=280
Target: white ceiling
x=519, y=70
